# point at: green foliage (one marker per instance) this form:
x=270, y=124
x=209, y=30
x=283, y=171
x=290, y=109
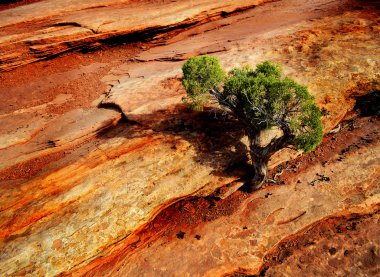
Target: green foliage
x=200, y=74
x=307, y=127
x=264, y=100
x=259, y=98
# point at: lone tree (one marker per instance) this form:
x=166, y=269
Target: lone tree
x=260, y=99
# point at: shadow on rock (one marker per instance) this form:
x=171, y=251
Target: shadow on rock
x=217, y=137
x=369, y=104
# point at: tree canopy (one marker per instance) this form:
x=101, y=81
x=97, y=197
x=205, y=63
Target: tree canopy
x=260, y=98
x=200, y=74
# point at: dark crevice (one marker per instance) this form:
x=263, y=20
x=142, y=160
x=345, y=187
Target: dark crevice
x=369, y=104
x=164, y=32
x=73, y=24
x=19, y=2
x=148, y=34
x=115, y=107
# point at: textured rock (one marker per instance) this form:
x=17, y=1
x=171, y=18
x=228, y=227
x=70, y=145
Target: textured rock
x=147, y=89
x=19, y=126
x=346, y=245
x=240, y=241
x=49, y=9
x=62, y=132
x=99, y=199
x=267, y=135
x=46, y=28
x=73, y=197
x=336, y=57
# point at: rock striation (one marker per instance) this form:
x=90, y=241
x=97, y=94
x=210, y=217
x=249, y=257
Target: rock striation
x=45, y=29
x=317, y=54
x=240, y=242
x=77, y=189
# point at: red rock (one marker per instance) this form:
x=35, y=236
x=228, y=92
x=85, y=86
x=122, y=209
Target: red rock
x=85, y=211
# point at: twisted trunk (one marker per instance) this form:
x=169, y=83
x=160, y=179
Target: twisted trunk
x=260, y=156
x=260, y=169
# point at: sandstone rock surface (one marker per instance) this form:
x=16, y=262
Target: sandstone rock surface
x=317, y=54
x=76, y=190
x=343, y=245
x=63, y=131
x=44, y=29
x=239, y=241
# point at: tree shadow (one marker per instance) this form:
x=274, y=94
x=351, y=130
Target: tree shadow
x=216, y=136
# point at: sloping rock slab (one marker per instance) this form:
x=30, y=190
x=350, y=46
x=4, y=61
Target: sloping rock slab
x=65, y=218
x=338, y=58
x=45, y=28
x=58, y=133
x=239, y=242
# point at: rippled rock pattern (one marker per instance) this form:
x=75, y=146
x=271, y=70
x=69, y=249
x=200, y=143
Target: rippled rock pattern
x=41, y=30
x=78, y=189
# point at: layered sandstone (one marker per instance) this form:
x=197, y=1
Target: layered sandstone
x=239, y=242
x=336, y=57
x=45, y=29
x=78, y=187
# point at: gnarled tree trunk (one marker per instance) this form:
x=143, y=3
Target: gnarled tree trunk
x=260, y=156
x=260, y=169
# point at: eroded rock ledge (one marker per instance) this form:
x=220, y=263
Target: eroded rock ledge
x=241, y=233
x=73, y=194
x=45, y=29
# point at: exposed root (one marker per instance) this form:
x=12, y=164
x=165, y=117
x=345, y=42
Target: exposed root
x=275, y=180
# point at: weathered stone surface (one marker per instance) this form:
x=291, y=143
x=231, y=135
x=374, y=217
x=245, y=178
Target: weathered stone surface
x=59, y=133
x=314, y=53
x=50, y=8
x=147, y=89
x=267, y=135
x=239, y=242
x=99, y=199
x=19, y=126
x=46, y=28
x=80, y=211
x=344, y=245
